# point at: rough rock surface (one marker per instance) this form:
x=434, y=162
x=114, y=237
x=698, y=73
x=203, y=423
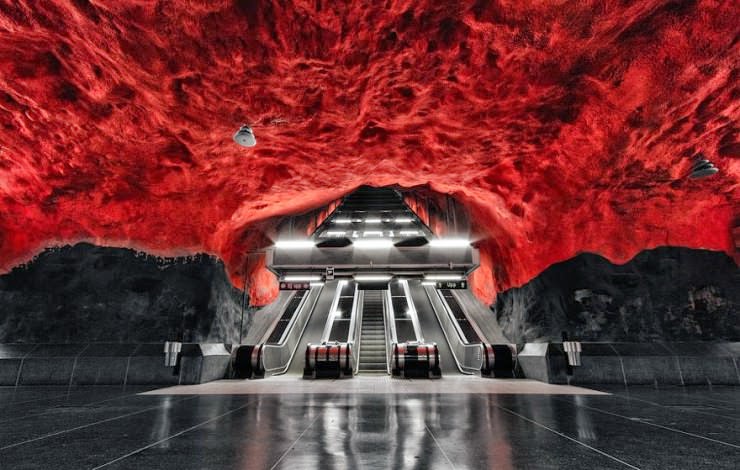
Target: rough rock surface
x=565, y=127
x=86, y=293
x=665, y=294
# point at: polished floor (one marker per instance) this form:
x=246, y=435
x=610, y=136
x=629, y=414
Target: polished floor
x=407, y=426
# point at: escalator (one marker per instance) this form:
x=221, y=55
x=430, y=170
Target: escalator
x=431, y=329
x=278, y=331
x=467, y=328
x=314, y=328
x=373, y=357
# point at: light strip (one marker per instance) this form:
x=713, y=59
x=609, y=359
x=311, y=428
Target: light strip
x=409, y=232
x=372, y=277
x=372, y=221
x=301, y=278
x=294, y=244
x=316, y=284
x=449, y=242
x=370, y=243
x=342, y=221
x=443, y=277
x=403, y=220
x=335, y=233
x=372, y=233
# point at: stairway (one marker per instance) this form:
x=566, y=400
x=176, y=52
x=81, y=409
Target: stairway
x=372, y=336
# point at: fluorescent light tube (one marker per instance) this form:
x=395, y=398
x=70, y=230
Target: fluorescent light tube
x=443, y=277
x=372, y=277
x=294, y=244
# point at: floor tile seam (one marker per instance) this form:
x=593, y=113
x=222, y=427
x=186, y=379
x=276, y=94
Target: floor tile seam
x=717, y=400
x=638, y=420
x=57, y=407
x=54, y=397
x=173, y=436
x=293, y=444
x=84, y=426
x=434, y=438
x=679, y=410
x=563, y=435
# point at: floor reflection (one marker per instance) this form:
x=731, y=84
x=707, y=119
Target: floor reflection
x=375, y=431
x=645, y=429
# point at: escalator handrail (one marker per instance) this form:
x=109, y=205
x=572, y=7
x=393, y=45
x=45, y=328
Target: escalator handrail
x=412, y=312
x=390, y=328
x=332, y=311
x=355, y=328
x=295, y=333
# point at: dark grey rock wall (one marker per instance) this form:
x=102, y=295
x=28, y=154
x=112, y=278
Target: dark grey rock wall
x=665, y=294
x=87, y=293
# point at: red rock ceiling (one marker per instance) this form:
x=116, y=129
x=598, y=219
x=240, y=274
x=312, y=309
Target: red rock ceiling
x=563, y=126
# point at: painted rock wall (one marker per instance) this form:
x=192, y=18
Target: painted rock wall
x=564, y=127
x=88, y=293
x=669, y=293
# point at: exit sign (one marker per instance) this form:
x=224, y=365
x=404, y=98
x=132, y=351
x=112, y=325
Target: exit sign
x=452, y=284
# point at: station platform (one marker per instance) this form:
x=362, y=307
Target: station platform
x=383, y=384
x=282, y=423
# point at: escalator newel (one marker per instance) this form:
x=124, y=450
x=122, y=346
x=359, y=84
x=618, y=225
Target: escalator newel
x=416, y=360
x=328, y=361
x=248, y=362
x=498, y=361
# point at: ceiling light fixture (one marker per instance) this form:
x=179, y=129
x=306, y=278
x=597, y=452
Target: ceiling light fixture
x=245, y=136
x=702, y=168
x=372, y=277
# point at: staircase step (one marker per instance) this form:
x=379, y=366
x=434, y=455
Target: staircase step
x=374, y=366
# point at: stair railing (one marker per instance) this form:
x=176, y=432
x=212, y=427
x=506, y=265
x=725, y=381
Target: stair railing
x=355, y=328
x=390, y=328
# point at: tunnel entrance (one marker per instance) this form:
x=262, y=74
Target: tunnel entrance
x=375, y=284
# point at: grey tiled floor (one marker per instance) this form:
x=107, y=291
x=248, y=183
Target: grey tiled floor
x=101, y=427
